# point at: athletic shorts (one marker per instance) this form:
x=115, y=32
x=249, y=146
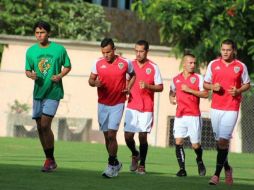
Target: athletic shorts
x=46, y=107
x=188, y=126
x=223, y=123
x=109, y=117
x=136, y=121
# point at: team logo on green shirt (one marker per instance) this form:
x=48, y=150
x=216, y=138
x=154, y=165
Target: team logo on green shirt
x=44, y=66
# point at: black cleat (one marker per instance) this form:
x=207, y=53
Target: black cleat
x=201, y=168
x=181, y=173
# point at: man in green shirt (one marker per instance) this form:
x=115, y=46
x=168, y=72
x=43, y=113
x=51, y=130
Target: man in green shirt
x=46, y=63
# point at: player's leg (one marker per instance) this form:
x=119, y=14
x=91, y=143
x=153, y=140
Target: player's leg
x=143, y=148
x=199, y=152
x=194, y=131
x=180, y=132
x=103, y=119
x=130, y=142
x=130, y=127
x=48, y=136
x=180, y=155
x=224, y=132
x=39, y=129
x=37, y=112
x=48, y=113
x=114, y=118
x=112, y=147
x=144, y=125
x=103, y=115
x=105, y=133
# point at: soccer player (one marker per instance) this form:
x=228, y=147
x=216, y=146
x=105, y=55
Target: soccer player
x=139, y=112
x=46, y=63
x=186, y=91
x=227, y=77
x=109, y=75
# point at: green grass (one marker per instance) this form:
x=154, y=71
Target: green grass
x=80, y=166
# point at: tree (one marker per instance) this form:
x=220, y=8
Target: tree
x=200, y=26
x=73, y=20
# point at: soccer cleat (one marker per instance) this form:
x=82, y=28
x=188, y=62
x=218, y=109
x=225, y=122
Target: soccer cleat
x=49, y=165
x=112, y=171
x=141, y=170
x=109, y=172
x=117, y=169
x=229, y=176
x=181, y=173
x=214, y=180
x=134, y=163
x=201, y=168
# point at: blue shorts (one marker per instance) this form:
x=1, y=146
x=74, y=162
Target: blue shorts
x=109, y=117
x=46, y=107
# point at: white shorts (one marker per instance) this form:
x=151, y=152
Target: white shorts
x=188, y=126
x=109, y=117
x=136, y=121
x=223, y=123
x=46, y=107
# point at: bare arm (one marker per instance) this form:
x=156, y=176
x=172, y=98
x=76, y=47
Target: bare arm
x=237, y=91
x=64, y=72
x=94, y=81
x=151, y=87
x=214, y=87
x=130, y=84
x=200, y=94
x=172, y=97
x=31, y=74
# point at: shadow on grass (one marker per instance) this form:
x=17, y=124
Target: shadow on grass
x=22, y=177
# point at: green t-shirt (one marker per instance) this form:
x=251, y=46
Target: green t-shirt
x=47, y=62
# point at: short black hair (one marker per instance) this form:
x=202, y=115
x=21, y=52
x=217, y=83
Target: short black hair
x=107, y=41
x=229, y=42
x=42, y=24
x=189, y=54
x=143, y=43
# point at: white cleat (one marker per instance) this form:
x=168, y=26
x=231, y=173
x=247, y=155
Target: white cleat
x=112, y=171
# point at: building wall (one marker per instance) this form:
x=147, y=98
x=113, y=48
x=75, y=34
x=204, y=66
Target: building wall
x=80, y=99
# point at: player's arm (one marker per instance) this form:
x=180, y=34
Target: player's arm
x=237, y=91
x=151, y=87
x=198, y=93
x=157, y=86
x=94, y=81
x=130, y=83
x=172, y=97
x=213, y=87
x=31, y=74
x=64, y=72
x=245, y=84
x=207, y=84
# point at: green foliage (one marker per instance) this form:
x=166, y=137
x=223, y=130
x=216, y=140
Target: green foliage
x=200, y=26
x=74, y=19
x=18, y=107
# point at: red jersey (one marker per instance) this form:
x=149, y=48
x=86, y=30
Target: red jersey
x=143, y=99
x=187, y=104
x=113, y=79
x=234, y=74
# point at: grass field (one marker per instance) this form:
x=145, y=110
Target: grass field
x=80, y=166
